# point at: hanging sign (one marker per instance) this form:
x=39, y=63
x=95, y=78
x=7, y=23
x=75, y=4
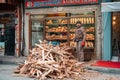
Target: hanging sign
x=47, y=3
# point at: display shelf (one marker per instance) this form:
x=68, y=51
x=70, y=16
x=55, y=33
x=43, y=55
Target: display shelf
x=53, y=25
x=63, y=29
x=89, y=24
x=56, y=30
x=55, y=39
x=82, y=23
x=86, y=48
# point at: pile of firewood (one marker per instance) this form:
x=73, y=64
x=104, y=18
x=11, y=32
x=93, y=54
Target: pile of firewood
x=47, y=61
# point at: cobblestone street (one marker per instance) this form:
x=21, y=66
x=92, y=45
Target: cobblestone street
x=6, y=73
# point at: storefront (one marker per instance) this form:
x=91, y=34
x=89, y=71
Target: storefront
x=111, y=23
x=10, y=27
x=55, y=20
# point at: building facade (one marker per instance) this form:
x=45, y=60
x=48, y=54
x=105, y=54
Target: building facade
x=55, y=20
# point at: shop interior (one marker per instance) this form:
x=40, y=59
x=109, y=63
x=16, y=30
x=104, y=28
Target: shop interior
x=116, y=34
x=59, y=28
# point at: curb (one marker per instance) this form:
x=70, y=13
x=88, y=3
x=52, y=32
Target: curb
x=104, y=69
x=8, y=62
x=11, y=60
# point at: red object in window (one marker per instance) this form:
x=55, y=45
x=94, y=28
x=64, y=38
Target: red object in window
x=83, y=43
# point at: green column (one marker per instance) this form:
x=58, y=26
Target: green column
x=106, y=36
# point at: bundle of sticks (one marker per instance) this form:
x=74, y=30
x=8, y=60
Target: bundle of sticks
x=47, y=61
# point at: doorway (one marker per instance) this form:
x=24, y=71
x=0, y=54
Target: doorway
x=7, y=33
x=115, y=34
x=9, y=40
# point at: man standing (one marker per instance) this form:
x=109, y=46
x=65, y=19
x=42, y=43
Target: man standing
x=80, y=35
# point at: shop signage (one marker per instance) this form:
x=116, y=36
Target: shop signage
x=47, y=3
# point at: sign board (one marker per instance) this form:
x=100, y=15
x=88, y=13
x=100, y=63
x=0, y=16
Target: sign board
x=47, y=3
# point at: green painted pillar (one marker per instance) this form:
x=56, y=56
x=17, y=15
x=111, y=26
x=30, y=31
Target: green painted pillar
x=106, y=36
x=106, y=16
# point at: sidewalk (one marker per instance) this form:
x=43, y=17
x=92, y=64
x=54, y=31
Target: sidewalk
x=115, y=71
x=104, y=69
x=12, y=59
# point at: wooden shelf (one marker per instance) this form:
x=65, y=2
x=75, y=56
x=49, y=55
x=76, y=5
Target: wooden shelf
x=88, y=47
x=89, y=40
x=82, y=16
x=56, y=39
x=57, y=31
x=55, y=24
x=83, y=23
x=70, y=26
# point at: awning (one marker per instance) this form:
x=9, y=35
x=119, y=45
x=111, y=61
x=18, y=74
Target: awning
x=110, y=6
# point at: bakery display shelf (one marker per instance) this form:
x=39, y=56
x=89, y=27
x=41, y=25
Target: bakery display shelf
x=57, y=24
x=90, y=32
x=56, y=18
x=84, y=24
x=88, y=47
x=81, y=16
x=56, y=31
x=62, y=30
x=86, y=39
x=90, y=40
x=56, y=39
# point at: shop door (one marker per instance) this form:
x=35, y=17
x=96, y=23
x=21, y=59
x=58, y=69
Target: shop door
x=9, y=40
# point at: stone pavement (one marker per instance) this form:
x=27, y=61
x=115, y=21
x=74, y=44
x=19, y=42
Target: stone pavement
x=15, y=60
x=6, y=73
x=104, y=69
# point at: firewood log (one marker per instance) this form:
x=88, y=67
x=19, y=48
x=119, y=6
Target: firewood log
x=46, y=60
x=23, y=69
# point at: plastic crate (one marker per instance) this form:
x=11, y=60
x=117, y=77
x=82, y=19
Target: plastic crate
x=54, y=43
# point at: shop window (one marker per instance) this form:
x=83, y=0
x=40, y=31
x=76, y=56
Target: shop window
x=36, y=29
